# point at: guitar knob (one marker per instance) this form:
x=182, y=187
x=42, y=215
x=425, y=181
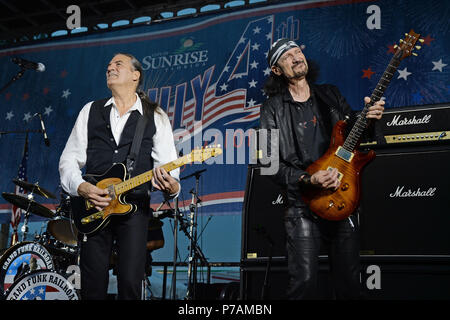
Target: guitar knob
x=341, y=206
x=330, y=204
x=345, y=186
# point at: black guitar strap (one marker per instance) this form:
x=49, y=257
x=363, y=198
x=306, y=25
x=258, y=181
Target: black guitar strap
x=136, y=145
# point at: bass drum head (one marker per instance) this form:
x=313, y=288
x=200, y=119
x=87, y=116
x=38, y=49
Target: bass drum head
x=41, y=285
x=21, y=258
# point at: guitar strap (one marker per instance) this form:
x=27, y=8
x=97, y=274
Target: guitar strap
x=136, y=145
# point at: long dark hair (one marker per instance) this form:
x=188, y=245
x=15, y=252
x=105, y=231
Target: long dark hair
x=277, y=84
x=148, y=105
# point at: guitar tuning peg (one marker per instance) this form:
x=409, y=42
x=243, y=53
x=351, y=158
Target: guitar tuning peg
x=401, y=40
x=418, y=47
x=395, y=46
x=421, y=40
x=414, y=54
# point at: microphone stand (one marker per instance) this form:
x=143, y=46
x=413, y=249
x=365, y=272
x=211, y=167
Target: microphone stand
x=175, y=249
x=266, y=286
x=195, y=253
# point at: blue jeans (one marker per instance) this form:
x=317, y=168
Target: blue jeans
x=305, y=232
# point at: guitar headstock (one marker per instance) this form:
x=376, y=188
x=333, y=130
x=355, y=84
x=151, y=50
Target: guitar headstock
x=407, y=45
x=201, y=154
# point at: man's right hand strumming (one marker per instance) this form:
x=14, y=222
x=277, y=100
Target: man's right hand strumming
x=327, y=179
x=98, y=197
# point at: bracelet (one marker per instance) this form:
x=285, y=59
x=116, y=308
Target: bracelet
x=305, y=180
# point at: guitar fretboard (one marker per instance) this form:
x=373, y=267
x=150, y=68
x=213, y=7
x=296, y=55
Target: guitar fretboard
x=361, y=123
x=145, y=177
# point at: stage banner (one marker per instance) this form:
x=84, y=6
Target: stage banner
x=207, y=73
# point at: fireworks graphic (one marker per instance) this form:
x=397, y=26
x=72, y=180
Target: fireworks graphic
x=415, y=82
x=350, y=34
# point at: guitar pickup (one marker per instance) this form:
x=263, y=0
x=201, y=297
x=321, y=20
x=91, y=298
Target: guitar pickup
x=92, y=217
x=344, y=154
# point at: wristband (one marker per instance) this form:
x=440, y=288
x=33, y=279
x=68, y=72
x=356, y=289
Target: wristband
x=305, y=180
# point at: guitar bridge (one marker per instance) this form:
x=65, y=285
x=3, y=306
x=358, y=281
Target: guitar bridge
x=340, y=175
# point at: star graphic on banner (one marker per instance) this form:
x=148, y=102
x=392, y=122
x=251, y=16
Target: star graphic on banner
x=367, y=73
x=427, y=40
x=403, y=74
x=66, y=94
x=269, y=36
x=27, y=117
x=256, y=30
x=9, y=115
x=251, y=103
x=253, y=83
x=438, y=65
x=255, y=47
x=267, y=71
x=254, y=65
x=48, y=110
x=241, y=40
x=226, y=68
x=224, y=87
x=391, y=48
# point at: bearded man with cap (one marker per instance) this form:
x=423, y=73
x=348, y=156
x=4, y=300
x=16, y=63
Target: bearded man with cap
x=305, y=113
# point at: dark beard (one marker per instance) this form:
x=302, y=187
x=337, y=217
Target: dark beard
x=299, y=74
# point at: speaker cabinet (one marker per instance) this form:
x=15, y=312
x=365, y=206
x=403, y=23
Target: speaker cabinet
x=405, y=203
x=254, y=285
x=262, y=217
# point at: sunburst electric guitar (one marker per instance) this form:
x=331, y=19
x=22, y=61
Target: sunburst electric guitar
x=116, y=180
x=343, y=155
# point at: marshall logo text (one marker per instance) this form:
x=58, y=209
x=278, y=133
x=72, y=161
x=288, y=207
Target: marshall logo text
x=401, y=193
x=407, y=122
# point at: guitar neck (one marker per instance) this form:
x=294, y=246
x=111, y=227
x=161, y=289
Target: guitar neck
x=361, y=123
x=145, y=177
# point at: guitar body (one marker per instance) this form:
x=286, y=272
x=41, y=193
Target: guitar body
x=81, y=208
x=116, y=180
x=339, y=204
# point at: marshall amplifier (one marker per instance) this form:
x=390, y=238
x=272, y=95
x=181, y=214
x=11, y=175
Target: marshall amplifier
x=411, y=125
x=405, y=201
x=262, y=217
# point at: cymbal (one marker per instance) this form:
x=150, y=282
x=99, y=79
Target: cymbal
x=35, y=188
x=25, y=204
x=64, y=230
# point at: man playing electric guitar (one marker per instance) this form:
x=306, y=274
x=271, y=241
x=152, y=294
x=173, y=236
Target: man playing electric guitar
x=103, y=135
x=304, y=113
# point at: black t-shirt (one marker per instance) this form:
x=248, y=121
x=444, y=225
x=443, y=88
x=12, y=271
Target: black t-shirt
x=306, y=117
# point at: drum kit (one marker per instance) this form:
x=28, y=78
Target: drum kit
x=40, y=269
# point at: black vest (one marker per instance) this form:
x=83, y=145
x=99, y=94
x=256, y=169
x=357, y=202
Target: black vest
x=102, y=150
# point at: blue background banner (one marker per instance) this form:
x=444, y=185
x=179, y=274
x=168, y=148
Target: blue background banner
x=207, y=72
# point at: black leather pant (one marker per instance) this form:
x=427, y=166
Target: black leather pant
x=305, y=233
